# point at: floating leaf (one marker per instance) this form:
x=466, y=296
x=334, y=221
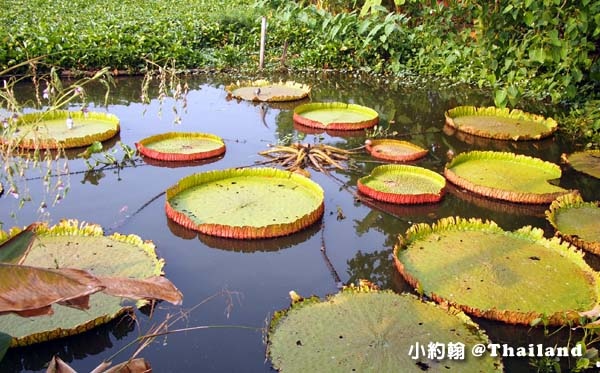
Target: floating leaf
x=395, y=150
x=505, y=176
x=587, y=161
x=335, y=116
x=263, y=90
x=245, y=203
x=367, y=330
x=576, y=221
x=515, y=277
x=181, y=146
x=48, y=129
x=500, y=124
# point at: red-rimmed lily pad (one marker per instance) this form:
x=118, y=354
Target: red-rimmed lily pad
x=336, y=116
x=514, y=277
x=576, y=221
x=81, y=246
x=505, y=176
x=264, y=90
x=394, y=150
x=361, y=330
x=181, y=146
x=501, y=124
x=587, y=161
x=403, y=184
x=245, y=203
x=64, y=129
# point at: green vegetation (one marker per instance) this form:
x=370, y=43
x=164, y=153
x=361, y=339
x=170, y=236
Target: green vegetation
x=541, y=50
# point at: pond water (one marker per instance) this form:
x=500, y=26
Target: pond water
x=256, y=276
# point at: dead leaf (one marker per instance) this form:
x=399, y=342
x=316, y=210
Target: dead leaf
x=157, y=287
x=56, y=365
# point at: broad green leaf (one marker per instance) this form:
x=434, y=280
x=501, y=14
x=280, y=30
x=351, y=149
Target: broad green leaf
x=500, y=98
x=96, y=147
x=15, y=249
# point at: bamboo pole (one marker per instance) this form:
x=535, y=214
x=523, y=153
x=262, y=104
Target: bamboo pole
x=263, y=36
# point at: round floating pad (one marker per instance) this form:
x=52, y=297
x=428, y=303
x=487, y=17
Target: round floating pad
x=576, y=221
x=501, y=124
x=50, y=131
x=263, y=90
x=395, y=150
x=71, y=244
x=514, y=277
x=335, y=116
x=374, y=331
x=181, y=146
x=587, y=161
x=403, y=184
x=505, y=176
x=245, y=203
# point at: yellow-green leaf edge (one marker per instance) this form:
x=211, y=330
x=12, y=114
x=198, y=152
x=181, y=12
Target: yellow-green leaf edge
x=304, y=88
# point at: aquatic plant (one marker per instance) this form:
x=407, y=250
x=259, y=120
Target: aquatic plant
x=394, y=150
x=264, y=90
x=335, y=116
x=299, y=156
x=181, y=146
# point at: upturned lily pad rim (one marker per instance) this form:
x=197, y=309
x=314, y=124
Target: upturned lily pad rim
x=568, y=252
x=371, y=116
x=142, y=146
x=397, y=198
x=499, y=193
x=549, y=123
x=573, y=161
x=417, y=152
x=74, y=228
x=347, y=294
x=572, y=201
x=244, y=232
x=304, y=88
x=44, y=142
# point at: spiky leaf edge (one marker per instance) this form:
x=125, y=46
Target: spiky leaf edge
x=503, y=194
x=163, y=156
x=74, y=228
x=263, y=83
x=573, y=200
x=403, y=198
x=418, y=153
x=421, y=230
x=499, y=112
x=344, y=126
x=243, y=232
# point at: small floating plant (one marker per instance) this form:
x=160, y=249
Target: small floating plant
x=299, y=156
x=515, y=277
x=245, y=203
x=335, y=116
x=181, y=146
x=264, y=90
x=394, y=150
x=500, y=124
x=64, y=129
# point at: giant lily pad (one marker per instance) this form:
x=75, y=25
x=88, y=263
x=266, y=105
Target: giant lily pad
x=505, y=176
x=335, y=116
x=374, y=331
x=576, y=221
x=70, y=244
x=263, y=90
x=403, y=184
x=395, y=150
x=515, y=277
x=501, y=124
x=181, y=146
x=587, y=161
x=245, y=203
x=49, y=130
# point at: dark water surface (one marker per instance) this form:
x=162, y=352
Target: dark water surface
x=261, y=273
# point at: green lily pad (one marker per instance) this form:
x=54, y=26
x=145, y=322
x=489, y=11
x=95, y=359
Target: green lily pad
x=505, y=176
x=335, y=116
x=403, y=184
x=587, y=161
x=395, y=150
x=576, y=221
x=515, y=277
x=181, y=146
x=372, y=331
x=49, y=130
x=501, y=124
x=264, y=90
x=245, y=203
x=70, y=244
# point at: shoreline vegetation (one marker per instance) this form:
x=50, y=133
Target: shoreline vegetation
x=518, y=50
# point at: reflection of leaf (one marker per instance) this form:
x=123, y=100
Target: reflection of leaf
x=139, y=365
x=25, y=288
x=15, y=249
x=56, y=365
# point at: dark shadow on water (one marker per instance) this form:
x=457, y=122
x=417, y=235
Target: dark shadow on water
x=178, y=164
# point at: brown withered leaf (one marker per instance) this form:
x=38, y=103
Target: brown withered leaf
x=156, y=287
x=57, y=365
